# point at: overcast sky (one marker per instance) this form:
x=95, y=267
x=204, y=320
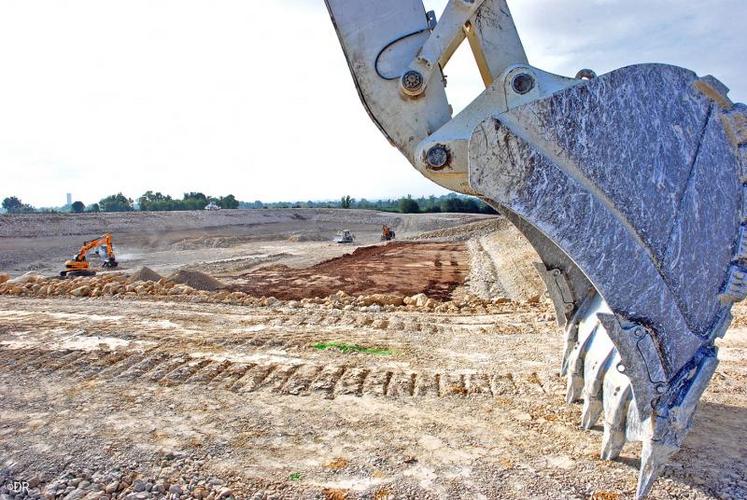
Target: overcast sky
x=255, y=98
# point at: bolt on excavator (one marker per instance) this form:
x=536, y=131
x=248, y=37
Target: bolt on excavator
x=630, y=186
x=79, y=265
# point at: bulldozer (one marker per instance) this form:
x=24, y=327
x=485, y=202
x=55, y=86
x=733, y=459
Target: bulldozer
x=631, y=186
x=345, y=236
x=78, y=265
x=387, y=233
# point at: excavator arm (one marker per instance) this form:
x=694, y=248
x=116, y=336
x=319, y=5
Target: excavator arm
x=630, y=186
x=78, y=265
x=105, y=241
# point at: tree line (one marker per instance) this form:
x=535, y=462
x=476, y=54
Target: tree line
x=148, y=202
x=158, y=202
x=432, y=204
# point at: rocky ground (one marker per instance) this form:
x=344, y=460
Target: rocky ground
x=120, y=387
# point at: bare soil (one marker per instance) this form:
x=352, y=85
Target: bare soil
x=406, y=268
x=154, y=397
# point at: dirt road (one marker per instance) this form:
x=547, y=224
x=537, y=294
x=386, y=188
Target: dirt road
x=450, y=406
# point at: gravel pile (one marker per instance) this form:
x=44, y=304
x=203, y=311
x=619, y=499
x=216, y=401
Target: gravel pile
x=25, y=278
x=196, y=280
x=180, y=477
x=299, y=237
x=144, y=274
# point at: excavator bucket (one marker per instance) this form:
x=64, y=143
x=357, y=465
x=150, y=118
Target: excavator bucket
x=630, y=186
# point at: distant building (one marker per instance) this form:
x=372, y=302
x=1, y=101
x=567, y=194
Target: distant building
x=69, y=199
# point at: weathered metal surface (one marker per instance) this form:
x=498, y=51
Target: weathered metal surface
x=367, y=31
x=494, y=40
x=632, y=187
x=637, y=177
x=616, y=176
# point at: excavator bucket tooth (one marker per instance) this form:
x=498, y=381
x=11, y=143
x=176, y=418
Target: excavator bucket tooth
x=637, y=178
x=586, y=330
x=596, y=364
x=616, y=395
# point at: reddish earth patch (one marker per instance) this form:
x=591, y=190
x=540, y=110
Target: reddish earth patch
x=434, y=269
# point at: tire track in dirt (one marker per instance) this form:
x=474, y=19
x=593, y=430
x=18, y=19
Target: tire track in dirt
x=367, y=325
x=295, y=379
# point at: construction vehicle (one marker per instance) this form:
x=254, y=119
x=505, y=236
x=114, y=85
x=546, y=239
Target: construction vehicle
x=79, y=265
x=387, y=233
x=345, y=236
x=629, y=185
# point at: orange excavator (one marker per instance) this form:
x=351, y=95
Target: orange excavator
x=79, y=266
x=387, y=233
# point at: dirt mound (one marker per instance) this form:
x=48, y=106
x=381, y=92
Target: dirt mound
x=30, y=276
x=145, y=274
x=299, y=237
x=196, y=280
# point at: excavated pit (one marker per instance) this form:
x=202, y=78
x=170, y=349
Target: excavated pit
x=406, y=268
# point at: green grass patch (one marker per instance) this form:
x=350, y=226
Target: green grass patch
x=348, y=348
x=295, y=476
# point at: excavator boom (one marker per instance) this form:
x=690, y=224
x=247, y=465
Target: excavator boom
x=79, y=265
x=105, y=241
x=630, y=186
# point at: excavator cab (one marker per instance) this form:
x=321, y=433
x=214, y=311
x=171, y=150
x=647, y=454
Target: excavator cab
x=631, y=186
x=108, y=260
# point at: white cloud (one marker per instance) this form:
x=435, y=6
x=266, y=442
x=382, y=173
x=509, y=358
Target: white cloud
x=706, y=36
x=255, y=98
